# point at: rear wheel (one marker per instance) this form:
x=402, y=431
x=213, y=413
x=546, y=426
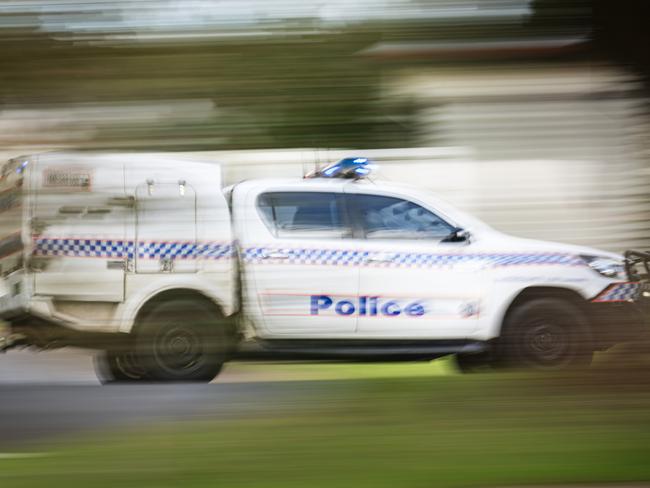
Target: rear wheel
x=545, y=334
x=182, y=340
x=122, y=367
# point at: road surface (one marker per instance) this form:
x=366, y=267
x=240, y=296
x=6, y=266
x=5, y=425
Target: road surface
x=53, y=395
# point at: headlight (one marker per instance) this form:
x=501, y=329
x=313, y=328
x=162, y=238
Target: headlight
x=607, y=267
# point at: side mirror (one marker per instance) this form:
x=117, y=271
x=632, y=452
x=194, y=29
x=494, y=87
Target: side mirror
x=458, y=235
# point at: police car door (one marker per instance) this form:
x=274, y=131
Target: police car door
x=410, y=285
x=298, y=280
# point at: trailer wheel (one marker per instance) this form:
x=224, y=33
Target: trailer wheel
x=545, y=334
x=182, y=340
x=119, y=367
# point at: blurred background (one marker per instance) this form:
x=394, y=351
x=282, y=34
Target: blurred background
x=531, y=114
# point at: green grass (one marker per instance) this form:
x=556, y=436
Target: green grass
x=316, y=371
x=435, y=431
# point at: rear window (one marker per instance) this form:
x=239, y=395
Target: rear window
x=304, y=214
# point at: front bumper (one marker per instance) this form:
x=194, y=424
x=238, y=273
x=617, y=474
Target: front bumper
x=616, y=322
x=621, y=312
x=637, y=265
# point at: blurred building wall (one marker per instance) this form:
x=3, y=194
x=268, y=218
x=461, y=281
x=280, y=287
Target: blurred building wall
x=561, y=148
x=553, y=152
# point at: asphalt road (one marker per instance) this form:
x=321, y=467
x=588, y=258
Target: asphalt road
x=55, y=395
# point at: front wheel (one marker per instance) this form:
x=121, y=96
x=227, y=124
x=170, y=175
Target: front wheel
x=182, y=340
x=545, y=334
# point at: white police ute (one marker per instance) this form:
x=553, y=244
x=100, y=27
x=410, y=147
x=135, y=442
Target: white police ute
x=149, y=260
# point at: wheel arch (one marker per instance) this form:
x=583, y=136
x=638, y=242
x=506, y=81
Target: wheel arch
x=175, y=294
x=148, y=304
x=534, y=292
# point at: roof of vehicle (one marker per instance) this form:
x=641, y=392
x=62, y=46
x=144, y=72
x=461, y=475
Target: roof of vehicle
x=338, y=184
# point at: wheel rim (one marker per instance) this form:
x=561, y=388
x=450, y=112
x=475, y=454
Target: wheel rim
x=178, y=349
x=547, y=344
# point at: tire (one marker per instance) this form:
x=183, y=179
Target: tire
x=474, y=363
x=182, y=340
x=545, y=334
x=119, y=367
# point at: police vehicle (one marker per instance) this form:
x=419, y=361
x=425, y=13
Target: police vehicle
x=151, y=261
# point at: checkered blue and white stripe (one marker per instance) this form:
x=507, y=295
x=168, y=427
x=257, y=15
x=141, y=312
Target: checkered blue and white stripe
x=184, y=250
x=341, y=257
x=107, y=248
x=619, y=292
x=116, y=248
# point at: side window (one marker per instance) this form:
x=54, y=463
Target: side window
x=393, y=218
x=304, y=214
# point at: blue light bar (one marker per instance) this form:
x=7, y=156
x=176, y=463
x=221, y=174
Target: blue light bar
x=347, y=168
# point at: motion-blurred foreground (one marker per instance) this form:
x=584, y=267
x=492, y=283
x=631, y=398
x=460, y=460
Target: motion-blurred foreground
x=531, y=115
x=378, y=425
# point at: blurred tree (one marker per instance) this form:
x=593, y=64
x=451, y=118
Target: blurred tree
x=621, y=32
x=562, y=16
x=618, y=29
x=282, y=91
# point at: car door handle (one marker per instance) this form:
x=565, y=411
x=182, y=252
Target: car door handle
x=116, y=264
x=380, y=258
x=275, y=255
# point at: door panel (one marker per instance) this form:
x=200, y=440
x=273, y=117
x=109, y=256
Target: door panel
x=413, y=285
x=298, y=275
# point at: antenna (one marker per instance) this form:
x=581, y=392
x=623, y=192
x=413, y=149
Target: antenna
x=316, y=159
